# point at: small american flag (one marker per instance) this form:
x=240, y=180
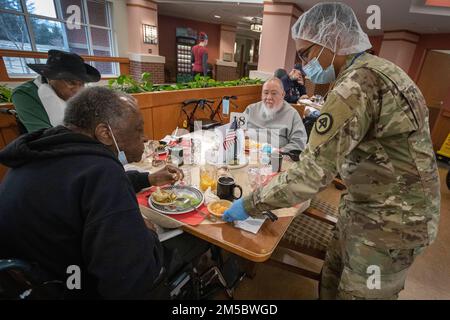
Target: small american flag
x=230, y=138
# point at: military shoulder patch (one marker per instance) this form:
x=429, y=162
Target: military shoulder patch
x=324, y=123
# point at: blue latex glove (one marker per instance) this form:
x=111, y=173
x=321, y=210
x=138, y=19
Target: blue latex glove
x=236, y=212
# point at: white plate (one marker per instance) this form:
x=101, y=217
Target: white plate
x=180, y=190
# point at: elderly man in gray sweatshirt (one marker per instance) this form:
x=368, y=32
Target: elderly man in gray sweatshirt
x=275, y=114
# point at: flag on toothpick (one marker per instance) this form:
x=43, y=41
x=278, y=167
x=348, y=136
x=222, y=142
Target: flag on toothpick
x=230, y=137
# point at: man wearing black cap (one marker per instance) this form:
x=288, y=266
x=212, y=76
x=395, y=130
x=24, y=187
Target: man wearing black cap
x=293, y=84
x=40, y=103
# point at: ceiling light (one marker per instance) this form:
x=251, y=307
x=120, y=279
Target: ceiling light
x=217, y=17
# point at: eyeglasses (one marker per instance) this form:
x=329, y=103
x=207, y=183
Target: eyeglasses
x=303, y=55
x=73, y=83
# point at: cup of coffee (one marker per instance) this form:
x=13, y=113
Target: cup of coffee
x=276, y=159
x=226, y=187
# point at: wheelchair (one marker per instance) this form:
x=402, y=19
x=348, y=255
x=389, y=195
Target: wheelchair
x=208, y=105
x=192, y=283
x=21, y=280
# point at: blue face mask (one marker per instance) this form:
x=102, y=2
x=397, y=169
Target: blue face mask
x=315, y=72
x=121, y=155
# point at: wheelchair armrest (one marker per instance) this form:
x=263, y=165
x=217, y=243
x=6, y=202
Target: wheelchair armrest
x=15, y=264
x=160, y=278
x=229, y=97
x=189, y=101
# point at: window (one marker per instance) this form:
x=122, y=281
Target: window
x=41, y=25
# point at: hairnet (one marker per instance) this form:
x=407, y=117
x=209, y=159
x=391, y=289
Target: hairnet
x=334, y=26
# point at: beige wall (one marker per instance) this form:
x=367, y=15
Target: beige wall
x=277, y=49
x=141, y=12
x=400, y=52
x=399, y=47
x=120, y=27
x=227, y=40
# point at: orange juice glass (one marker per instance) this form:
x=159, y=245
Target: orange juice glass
x=208, y=178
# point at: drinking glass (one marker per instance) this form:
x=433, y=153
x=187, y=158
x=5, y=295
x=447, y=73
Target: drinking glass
x=208, y=177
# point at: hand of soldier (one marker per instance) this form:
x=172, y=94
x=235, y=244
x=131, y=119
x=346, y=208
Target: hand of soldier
x=235, y=212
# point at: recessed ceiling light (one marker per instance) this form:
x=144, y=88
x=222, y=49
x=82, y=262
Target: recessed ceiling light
x=217, y=17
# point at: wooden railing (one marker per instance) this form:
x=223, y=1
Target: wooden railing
x=124, y=63
x=8, y=132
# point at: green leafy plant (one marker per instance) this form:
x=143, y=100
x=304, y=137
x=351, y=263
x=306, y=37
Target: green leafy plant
x=146, y=82
x=127, y=84
x=5, y=94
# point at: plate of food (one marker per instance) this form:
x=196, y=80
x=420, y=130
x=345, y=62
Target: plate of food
x=218, y=207
x=178, y=200
x=163, y=197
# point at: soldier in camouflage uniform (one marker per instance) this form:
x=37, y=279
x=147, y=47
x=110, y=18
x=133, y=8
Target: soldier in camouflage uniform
x=373, y=131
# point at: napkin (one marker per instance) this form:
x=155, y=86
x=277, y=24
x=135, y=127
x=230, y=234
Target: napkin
x=250, y=224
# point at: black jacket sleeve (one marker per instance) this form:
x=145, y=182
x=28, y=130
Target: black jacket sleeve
x=287, y=83
x=301, y=90
x=120, y=252
x=139, y=180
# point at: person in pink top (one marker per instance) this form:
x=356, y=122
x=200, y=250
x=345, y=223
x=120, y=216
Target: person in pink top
x=200, y=56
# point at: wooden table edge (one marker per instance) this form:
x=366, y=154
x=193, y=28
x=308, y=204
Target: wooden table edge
x=240, y=251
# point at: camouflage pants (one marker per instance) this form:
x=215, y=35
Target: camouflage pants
x=348, y=272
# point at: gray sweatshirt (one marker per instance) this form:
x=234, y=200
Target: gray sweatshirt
x=287, y=123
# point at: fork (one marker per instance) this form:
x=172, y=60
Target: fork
x=207, y=216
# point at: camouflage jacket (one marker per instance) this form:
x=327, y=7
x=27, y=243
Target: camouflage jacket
x=373, y=131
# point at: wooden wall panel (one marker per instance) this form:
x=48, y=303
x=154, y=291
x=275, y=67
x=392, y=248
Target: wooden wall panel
x=8, y=132
x=3, y=169
x=147, y=115
x=166, y=106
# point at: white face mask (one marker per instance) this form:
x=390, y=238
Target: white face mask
x=120, y=154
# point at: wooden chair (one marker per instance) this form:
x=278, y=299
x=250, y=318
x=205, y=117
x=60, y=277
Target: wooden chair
x=300, y=109
x=309, y=233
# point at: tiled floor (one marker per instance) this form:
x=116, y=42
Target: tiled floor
x=428, y=278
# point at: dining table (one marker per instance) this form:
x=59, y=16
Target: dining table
x=253, y=247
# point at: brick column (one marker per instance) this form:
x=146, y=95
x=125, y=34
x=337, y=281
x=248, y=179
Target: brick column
x=140, y=63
